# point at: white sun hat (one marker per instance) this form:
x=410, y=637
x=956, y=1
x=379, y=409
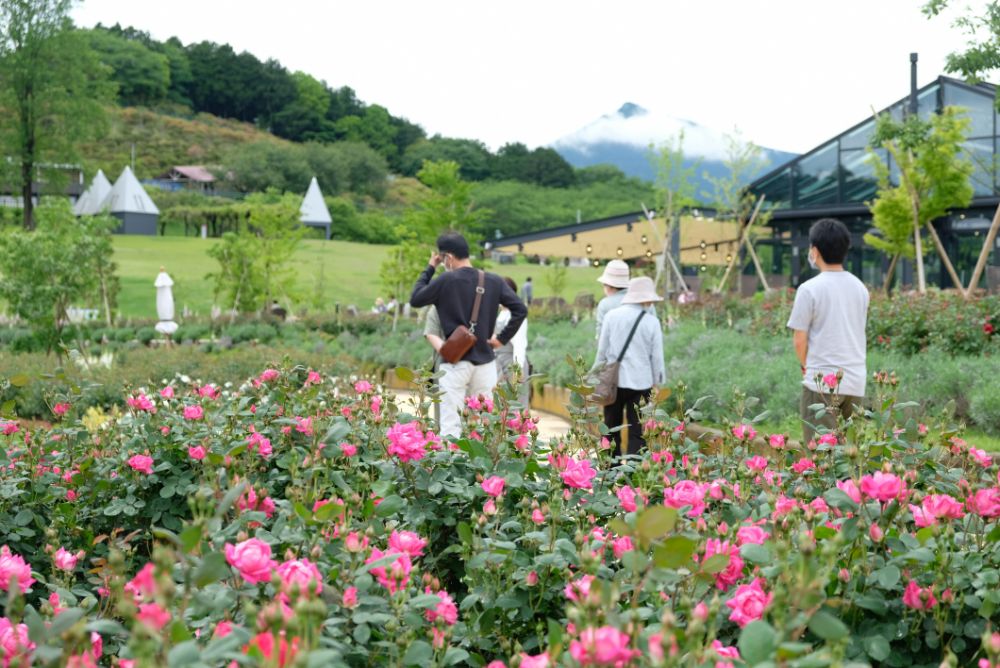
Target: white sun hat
x=641, y=291
x=615, y=275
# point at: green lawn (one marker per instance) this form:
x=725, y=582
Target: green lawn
x=343, y=272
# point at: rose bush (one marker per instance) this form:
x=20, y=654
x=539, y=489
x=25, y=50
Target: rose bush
x=306, y=521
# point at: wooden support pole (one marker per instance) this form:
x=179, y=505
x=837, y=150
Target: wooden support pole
x=945, y=260
x=744, y=232
x=984, y=254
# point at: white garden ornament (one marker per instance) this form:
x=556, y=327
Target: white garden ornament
x=165, y=303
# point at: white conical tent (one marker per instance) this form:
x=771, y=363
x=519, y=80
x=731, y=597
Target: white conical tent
x=129, y=202
x=313, y=210
x=90, y=201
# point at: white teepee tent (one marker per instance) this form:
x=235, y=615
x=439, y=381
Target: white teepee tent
x=313, y=210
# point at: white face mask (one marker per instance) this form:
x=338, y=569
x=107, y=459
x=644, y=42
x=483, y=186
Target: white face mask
x=812, y=260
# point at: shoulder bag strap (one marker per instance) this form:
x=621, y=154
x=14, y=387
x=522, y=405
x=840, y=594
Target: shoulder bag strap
x=480, y=291
x=630, y=335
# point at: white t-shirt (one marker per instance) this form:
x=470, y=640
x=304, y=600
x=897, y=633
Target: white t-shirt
x=833, y=309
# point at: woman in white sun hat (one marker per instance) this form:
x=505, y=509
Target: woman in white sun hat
x=615, y=282
x=635, y=328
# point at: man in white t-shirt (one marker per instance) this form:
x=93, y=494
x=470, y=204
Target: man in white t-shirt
x=828, y=321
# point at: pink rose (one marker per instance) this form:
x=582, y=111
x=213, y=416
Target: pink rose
x=153, y=616
x=252, y=559
x=757, y=463
x=700, y=612
x=828, y=439
x=981, y=456
x=496, y=664
x=733, y=571
x=744, y=431
x=355, y=542
x=536, y=661
x=348, y=450
x=304, y=425
x=350, y=597
x=917, y=597
x=578, y=474
x=14, y=642
x=626, y=495
x=803, y=465
x=141, y=403
x=268, y=375
x=143, y=584
x=60, y=409
x=193, y=412
x=686, y=493
x=876, y=533
x=494, y=485
x=13, y=567
x=751, y=533
x=749, y=603
x=537, y=517
x=831, y=381
x=398, y=574
x=850, y=489
x=579, y=589
x=362, y=386
x=300, y=573
x=262, y=445
x=725, y=652
x=407, y=542
x=66, y=561
x=622, y=545
x=313, y=378
x=141, y=463
x=942, y=505
x=882, y=486
x=446, y=610
x=197, y=452
x=406, y=441
x=777, y=441
x=985, y=502
x=167, y=392
x=606, y=646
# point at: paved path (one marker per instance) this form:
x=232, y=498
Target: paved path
x=549, y=425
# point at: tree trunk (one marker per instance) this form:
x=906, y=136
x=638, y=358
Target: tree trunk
x=889, y=273
x=105, y=300
x=27, y=167
x=918, y=244
x=945, y=260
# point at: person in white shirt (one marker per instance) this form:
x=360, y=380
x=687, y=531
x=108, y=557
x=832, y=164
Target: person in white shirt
x=515, y=350
x=633, y=328
x=615, y=282
x=828, y=330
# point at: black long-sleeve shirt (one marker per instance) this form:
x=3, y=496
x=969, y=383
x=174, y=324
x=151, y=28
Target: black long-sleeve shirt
x=453, y=294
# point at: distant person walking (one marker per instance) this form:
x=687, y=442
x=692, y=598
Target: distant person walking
x=615, y=282
x=634, y=328
x=453, y=295
x=828, y=330
x=527, y=291
x=515, y=350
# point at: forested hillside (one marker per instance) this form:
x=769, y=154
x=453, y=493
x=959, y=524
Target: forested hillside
x=257, y=125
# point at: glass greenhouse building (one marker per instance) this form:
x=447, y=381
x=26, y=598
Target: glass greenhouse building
x=836, y=179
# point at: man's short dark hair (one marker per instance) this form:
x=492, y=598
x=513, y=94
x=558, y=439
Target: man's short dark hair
x=454, y=243
x=831, y=238
x=528, y=279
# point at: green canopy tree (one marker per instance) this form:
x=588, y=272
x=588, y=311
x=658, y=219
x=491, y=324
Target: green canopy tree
x=52, y=90
x=933, y=178
x=674, y=187
x=448, y=206
x=64, y=262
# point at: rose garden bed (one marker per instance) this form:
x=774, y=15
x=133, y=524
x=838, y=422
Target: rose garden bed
x=299, y=520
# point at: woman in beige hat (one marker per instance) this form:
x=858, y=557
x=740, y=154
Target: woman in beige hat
x=615, y=282
x=632, y=332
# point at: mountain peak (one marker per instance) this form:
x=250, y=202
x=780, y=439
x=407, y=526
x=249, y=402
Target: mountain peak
x=630, y=109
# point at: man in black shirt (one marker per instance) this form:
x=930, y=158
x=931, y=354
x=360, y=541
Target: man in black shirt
x=453, y=294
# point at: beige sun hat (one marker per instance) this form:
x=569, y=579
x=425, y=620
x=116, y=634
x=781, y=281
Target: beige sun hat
x=640, y=291
x=615, y=275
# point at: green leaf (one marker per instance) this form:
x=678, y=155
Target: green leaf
x=715, y=564
x=756, y=554
x=877, y=647
x=405, y=374
x=419, y=653
x=337, y=431
x=620, y=527
x=106, y=627
x=465, y=532
x=887, y=577
x=229, y=499
x=827, y=626
x=455, y=655
x=674, y=552
x=837, y=498
x=556, y=636
x=213, y=567
x=19, y=380
x=185, y=654
x=390, y=505
x=179, y=632
x=328, y=511
x=757, y=642
x=64, y=620
x=190, y=537
x=23, y=517
x=655, y=522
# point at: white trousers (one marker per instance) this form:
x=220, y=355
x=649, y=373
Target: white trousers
x=461, y=380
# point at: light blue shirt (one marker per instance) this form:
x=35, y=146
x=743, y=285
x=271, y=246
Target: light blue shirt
x=605, y=306
x=642, y=367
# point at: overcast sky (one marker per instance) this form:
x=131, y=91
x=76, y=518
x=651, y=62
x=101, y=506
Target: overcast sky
x=788, y=73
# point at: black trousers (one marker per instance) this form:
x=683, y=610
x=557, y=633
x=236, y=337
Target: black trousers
x=626, y=405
